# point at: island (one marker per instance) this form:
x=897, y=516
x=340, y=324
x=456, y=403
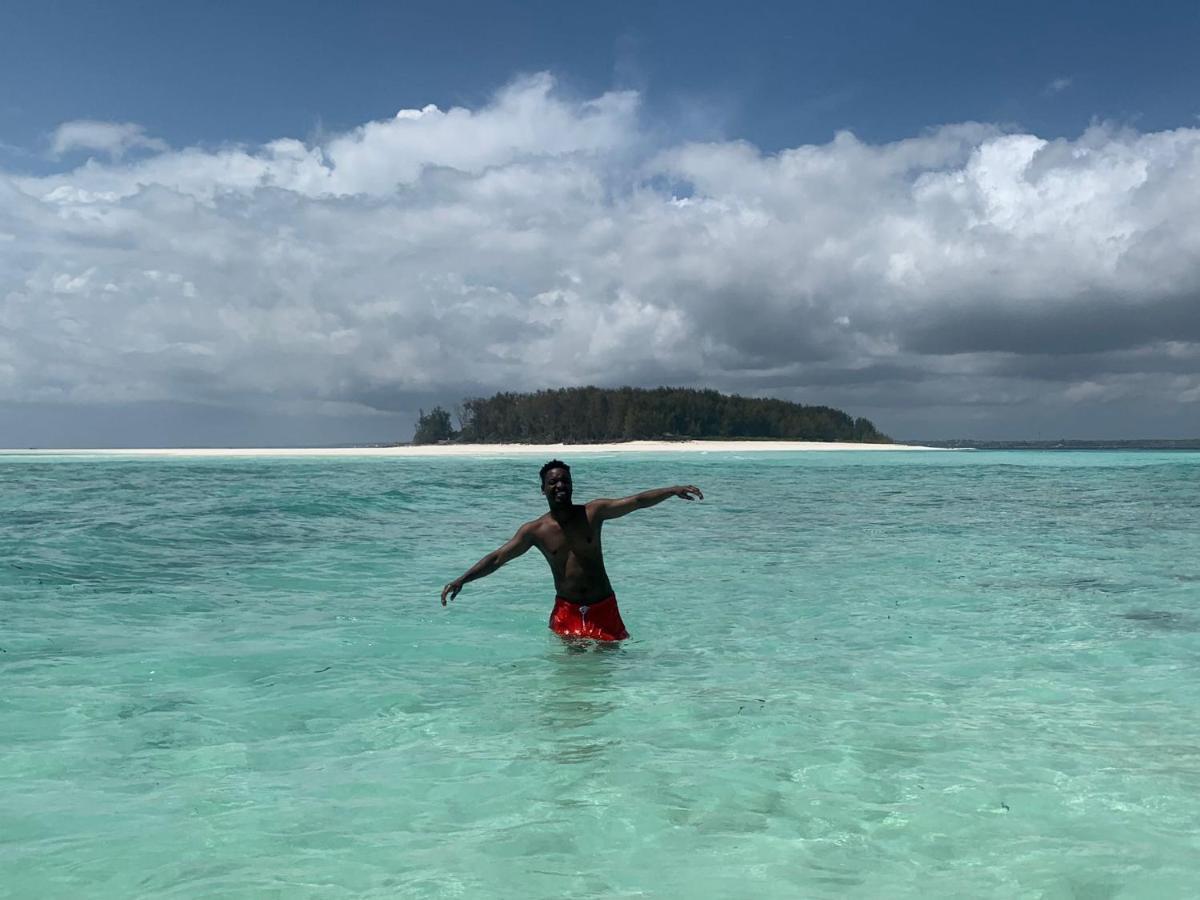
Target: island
x=594, y=415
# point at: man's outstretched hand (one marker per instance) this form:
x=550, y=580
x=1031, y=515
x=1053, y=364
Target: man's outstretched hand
x=452, y=589
x=689, y=492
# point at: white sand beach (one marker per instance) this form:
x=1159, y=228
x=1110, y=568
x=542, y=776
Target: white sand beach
x=481, y=450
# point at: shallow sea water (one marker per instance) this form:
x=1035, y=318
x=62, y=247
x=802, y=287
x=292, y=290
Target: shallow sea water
x=851, y=675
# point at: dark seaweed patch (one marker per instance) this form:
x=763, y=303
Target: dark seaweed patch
x=1160, y=618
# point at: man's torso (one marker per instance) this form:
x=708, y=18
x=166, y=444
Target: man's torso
x=572, y=548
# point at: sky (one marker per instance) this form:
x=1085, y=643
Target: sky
x=298, y=224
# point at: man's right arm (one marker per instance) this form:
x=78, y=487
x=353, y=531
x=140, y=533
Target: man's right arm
x=517, y=544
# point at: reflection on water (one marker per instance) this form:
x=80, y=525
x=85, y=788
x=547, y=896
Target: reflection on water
x=581, y=691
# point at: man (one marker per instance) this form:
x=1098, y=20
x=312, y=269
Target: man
x=569, y=537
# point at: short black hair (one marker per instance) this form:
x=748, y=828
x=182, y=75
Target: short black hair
x=553, y=464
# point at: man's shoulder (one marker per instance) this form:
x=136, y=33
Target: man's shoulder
x=546, y=521
x=535, y=526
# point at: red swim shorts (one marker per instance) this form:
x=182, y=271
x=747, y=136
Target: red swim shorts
x=600, y=620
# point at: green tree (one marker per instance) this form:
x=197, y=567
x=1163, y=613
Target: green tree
x=434, y=427
x=591, y=413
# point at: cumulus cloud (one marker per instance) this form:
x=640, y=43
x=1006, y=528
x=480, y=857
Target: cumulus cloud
x=965, y=279
x=112, y=138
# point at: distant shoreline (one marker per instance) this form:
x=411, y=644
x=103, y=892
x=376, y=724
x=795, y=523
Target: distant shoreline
x=1072, y=444
x=485, y=450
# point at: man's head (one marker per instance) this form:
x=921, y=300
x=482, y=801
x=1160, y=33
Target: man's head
x=556, y=483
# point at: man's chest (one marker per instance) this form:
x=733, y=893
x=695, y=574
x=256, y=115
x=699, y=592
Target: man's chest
x=575, y=538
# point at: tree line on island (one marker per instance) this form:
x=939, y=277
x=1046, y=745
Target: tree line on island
x=585, y=415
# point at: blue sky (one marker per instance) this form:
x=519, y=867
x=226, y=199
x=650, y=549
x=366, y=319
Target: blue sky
x=109, y=108
x=775, y=74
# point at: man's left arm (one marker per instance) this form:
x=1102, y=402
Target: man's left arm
x=614, y=509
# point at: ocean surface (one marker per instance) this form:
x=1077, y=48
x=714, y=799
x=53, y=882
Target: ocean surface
x=851, y=674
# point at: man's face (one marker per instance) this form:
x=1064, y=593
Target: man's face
x=557, y=487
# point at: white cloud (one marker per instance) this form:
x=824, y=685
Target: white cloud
x=112, y=138
x=539, y=240
x=1057, y=86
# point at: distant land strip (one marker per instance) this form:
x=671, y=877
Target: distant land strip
x=1131, y=444
x=593, y=415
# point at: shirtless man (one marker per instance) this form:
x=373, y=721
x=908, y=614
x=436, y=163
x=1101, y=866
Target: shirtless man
x=569, y=537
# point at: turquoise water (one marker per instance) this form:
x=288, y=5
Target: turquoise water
x=851, y=675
